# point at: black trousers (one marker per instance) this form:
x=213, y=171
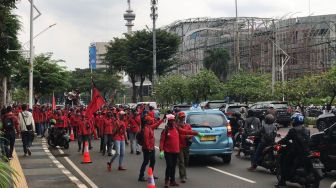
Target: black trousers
x=171, y=161
x=148, y=157
x=27, y=139
x=102, y=144
x=9, y=143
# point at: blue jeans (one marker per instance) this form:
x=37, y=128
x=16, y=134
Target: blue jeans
x=120, y=151
x=256, y=157
x=134, y=145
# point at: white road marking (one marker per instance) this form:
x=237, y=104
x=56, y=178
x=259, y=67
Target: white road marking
x=62, y=168
x=223, y=172
x=232, y=175
x=81, y=173
x=333, y=185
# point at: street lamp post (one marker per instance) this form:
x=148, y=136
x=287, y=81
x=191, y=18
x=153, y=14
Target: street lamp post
x=154, y=16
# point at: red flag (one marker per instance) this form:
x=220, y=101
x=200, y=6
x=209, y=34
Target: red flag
x=96, y=102
x=53, y=102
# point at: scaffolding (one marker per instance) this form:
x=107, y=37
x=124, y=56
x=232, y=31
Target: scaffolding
x=310, y=43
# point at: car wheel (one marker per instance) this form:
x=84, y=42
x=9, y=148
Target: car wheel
x=321, y=125
x=226, y=158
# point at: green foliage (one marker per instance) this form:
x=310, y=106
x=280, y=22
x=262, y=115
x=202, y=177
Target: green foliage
x=327, y=82
x=172, y=89
x=249, y=87
x=133, y=55
x=6, y=174
x=217, y=60
x=48, y=75
x=20, y=95
x=203, y=85
x=300, y=90
x=105, y=81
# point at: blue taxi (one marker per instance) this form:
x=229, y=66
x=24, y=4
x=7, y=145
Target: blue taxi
x=217, y=130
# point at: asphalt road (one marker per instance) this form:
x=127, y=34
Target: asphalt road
x=202, y=172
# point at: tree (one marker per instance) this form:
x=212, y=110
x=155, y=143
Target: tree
x=300, y=90
x=132, y=54
x=48, y=76
x=106, y=82
x=245, y=87
x=327, y=81
x=203, y=85
x=9, y=27
x=172, y=89
x=217, y=60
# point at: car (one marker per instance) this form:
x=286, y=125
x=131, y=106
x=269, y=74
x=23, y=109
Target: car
x=217, y=130
x=313, y=111
x=325, y=142
x=181, y=107
x=283, y=115
x=325, y=120
x=230, y=109
x=215, y=104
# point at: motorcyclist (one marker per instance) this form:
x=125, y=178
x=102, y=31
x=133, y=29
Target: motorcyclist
x=267, y=135
x=236, y=122
x=251, y=125
x=297, y=150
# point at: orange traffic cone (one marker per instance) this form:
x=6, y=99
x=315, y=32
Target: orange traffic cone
x=86, y=156
x=150, y=180
x=72, y=136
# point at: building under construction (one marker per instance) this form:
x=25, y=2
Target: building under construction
x=289, y=47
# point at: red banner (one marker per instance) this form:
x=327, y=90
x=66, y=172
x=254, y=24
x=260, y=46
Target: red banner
x=96, y=102
x=53, y=102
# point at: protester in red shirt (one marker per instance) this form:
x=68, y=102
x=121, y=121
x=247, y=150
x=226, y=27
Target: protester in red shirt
x=170, y=148
x=120, y=138
x=108, y=130
x=185, y=142
x=134, y=129
x=10, y=124
x=85, y=127
x=148, y=147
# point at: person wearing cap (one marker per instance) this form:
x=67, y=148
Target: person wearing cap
x=170, y=148
x=148, y=147
x=185, y=142
x=120, y=139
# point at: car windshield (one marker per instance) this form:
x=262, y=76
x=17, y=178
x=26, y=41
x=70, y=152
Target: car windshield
x=206, y=120
x=215, y=105
x=280, y=105
x=183, y=108
x=234, y=109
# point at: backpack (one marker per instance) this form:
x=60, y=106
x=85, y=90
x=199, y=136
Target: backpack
x=269, y=133
x=140, y=137
x=8, y=124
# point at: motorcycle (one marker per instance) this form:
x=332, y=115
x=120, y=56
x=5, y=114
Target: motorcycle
x=325, y=142
x=307, y=178
x=58, y=137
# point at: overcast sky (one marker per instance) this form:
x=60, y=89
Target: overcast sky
x=80, y=22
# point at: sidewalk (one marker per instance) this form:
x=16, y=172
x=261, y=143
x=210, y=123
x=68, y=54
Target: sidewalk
x=39, y=169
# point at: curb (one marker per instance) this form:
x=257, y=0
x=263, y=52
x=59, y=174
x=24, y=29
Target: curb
x=19, y=180
x=73, y=178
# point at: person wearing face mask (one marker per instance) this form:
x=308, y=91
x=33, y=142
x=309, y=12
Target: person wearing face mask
x=120, y=139
x=148, y=147
x=170, y=147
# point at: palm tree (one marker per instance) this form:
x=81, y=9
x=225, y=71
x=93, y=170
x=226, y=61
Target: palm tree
x=217, y=60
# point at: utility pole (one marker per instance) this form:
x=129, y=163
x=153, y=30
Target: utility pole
x=237, y=57
x=154, y=16
x=31, y=57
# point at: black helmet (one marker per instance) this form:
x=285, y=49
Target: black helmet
x=250, y=113
x=269, y=119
